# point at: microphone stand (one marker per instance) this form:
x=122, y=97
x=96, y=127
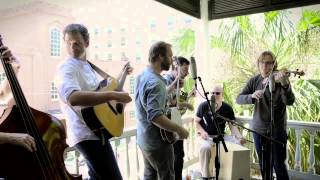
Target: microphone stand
x=217, y=138
x=248, y=129
x=267, y=163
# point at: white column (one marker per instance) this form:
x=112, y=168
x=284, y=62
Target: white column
x=202, y=44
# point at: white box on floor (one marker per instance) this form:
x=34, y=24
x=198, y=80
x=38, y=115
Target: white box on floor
x=235, y=164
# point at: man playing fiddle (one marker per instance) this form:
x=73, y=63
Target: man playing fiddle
x=254, y=93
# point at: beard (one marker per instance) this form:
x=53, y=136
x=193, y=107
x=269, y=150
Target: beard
x=165, y=65
x=76, y=53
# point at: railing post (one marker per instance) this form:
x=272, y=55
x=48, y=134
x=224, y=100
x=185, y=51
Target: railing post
x=137, y=160
x=193, y=129
x=77, y=155
x=287, y=150
x=127, y=156
x=297, y=165
x=116, y=145
x=186, y=143
x=311, y=168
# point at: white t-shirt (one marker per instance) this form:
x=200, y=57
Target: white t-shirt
x=74, y=75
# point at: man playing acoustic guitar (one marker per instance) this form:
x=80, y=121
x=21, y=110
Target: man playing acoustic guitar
x=77, y=82
x=150, y=99
x=180, y=69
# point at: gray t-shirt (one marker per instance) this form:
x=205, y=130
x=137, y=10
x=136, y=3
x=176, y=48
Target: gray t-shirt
x=261, y=116
x=150, y=101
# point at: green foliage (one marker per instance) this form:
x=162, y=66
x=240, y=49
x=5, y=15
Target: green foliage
x=296, y=45
x=309, y=19
x=183, y=42
x=306, y=106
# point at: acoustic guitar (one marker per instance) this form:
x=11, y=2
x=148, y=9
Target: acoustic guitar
x=109, y=115
x=174, y=114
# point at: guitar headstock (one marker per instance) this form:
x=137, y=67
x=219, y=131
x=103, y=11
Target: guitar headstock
x=127, y=68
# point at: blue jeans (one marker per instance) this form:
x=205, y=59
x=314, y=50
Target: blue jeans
x=100, y=159
x=279, y=153
x=158, y=164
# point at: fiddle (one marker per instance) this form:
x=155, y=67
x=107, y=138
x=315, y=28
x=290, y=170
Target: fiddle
x=285, y=74
x=297, y=72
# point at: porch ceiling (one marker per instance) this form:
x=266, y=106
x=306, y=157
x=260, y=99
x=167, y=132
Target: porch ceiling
x=229, y=8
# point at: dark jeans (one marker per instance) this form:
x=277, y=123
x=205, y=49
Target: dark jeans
x=158, y=164
x=178, y=159
x=100, y=159
x=278, y=152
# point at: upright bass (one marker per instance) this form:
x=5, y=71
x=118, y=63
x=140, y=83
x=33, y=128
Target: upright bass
x=47, y=163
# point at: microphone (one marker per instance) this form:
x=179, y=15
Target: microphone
x=213, y=103
x=194, y=70
x=271, y=83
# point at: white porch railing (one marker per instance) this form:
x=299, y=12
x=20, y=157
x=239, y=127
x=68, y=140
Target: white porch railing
x=129, y=157
x=131, y=163
x=299, y=126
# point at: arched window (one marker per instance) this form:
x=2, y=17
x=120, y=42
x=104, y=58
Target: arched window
x=55, y=42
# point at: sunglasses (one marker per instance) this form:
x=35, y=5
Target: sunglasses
x=216, y=93
x=267, y=62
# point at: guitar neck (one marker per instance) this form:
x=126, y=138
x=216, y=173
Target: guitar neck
x=178, y=87
x=122, y=80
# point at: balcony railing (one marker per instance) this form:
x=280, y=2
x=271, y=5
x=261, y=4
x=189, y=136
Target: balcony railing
x=131, y=164
x=299, y=127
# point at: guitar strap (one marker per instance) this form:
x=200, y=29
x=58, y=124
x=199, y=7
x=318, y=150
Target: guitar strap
x=103, y=74
x=100, y=72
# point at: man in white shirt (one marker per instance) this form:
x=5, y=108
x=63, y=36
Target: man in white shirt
x=77, y=82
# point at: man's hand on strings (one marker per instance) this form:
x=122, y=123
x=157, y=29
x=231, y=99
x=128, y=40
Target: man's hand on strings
x=9, y=58
x=7, y=54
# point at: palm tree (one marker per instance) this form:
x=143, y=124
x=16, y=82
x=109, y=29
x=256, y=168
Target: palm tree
x=183, y=45
x=295, y=46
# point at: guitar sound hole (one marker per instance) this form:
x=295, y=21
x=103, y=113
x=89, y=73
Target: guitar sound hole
x=119, y=108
